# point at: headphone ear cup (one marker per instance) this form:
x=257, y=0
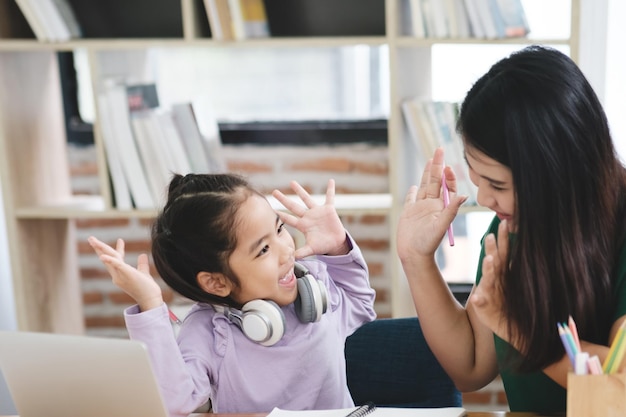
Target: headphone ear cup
x=263, y=322
x=312, y=299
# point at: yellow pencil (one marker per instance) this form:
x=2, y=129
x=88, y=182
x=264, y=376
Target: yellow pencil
x=616, y=351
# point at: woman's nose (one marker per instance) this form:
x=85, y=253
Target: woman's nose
x=483, y=196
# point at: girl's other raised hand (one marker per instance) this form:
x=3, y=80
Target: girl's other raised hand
x=136, y=282
x=321, y=226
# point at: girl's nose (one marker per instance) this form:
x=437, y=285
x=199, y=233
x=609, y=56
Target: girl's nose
x=287, y=253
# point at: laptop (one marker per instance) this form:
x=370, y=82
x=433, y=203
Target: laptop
x=56, y=375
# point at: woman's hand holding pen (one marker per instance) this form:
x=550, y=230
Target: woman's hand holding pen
x=136, y=282
x=486, y=298
x=322, y=228
x=424, y=219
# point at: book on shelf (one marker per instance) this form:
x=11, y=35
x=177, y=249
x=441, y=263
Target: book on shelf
x=210, y=7
x=69, y=17
x=151, y=153
x=418, y=27
x=450, y=13
x=487, y=18
x=497, y=19
x=116, y=100
x=160, y=144
x=220, y=19
x=192, y=138
x=476, y=25
x=510, y=18
x=438, y=19
x=416, y=117
x=255, y=21
x=236, y=16
x=461, y=19
x=431, y=124
x=121, y=193
x=33, y=19
x=208, y=126
x=50, y=20
x=173, y=142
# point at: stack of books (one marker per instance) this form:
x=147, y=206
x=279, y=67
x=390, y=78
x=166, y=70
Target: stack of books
x=461, y=19
x=237, y=19
x=146, y=144
x=432, y=125
x=51, y=20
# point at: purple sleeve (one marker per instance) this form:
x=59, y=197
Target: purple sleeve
x=349, y=288
x=184, y=383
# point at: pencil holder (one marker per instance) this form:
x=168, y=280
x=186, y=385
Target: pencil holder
x=596, y=395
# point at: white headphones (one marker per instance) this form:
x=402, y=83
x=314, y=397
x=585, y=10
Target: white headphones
x=262, y=321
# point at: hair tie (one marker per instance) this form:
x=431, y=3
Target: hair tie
x=167, y=232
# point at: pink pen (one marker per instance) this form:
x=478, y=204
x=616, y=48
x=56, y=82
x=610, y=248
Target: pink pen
x=446, y=202
x=174, y=318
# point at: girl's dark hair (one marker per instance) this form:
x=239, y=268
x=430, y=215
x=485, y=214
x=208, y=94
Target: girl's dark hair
x=535, y=113
x=195, y=231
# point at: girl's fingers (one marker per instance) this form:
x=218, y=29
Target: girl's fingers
x=287, y=218
x=330, y=193
x=119, y=247
x=303, y=194
x=143, y=264
x=289, y=204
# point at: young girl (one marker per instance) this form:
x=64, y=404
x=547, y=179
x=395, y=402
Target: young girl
x=258, y=337
x=538, y=148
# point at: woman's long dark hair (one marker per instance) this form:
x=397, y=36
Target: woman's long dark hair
x=535, y=113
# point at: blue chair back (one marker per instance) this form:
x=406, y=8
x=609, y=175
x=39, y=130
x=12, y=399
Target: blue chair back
x=389, y=363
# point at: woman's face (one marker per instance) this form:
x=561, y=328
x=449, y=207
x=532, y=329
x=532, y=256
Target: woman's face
x=264, y=257
x=495, y=185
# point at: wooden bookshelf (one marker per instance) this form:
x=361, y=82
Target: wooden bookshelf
x=39, y=208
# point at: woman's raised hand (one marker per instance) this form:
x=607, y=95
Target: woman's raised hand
x=424, y=219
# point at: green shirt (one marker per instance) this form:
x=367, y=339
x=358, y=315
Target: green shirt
x=535, y=391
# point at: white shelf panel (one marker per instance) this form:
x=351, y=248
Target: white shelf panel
x=80, y=207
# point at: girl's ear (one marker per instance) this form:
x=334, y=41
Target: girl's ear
x=214, y=283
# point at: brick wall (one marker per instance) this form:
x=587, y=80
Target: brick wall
x=356, y=168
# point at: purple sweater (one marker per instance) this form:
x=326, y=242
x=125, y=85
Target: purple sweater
x=212, y=358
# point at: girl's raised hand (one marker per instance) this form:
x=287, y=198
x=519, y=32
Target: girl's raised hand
x=323, y=231
x=136, y=282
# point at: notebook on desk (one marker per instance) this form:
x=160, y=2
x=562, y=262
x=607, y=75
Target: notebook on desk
x=57, y=375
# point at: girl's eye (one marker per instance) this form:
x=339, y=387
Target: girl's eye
x=264, y=250
x=281, y=227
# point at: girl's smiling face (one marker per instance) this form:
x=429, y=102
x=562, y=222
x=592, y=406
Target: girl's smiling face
x=264, y=257
x=495, y=185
